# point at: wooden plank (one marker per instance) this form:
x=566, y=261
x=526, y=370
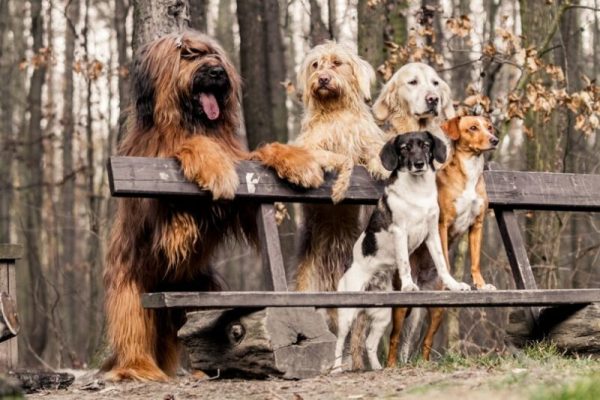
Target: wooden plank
x=157, y=177
x=515, y=249
x=11, y=251
x=499, y=298
x=270, y=248
x=8, y=349
x=543, y=190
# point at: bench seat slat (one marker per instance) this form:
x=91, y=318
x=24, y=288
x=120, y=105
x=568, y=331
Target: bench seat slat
x=370, y=299
x=158, y=177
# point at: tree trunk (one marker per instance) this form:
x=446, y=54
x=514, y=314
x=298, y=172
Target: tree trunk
x=461, y=76
x=69, y=224
x=225, y=28
x=263, y=68
x=371, y=26
x=33, y=178
x=6, y=130
x=120, y=21
x=318, y=31
x=396, y=27
x=198, y=15
x=153, y=19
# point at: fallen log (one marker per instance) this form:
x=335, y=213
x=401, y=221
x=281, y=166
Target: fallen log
x=9, y=320
x=289, y=343
x=574, y=329
x=34, y=381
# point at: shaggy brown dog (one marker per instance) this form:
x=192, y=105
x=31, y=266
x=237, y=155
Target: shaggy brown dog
x=335, y=86
x=186, y=98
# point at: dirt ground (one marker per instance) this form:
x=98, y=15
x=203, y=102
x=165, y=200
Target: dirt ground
x=524, y=376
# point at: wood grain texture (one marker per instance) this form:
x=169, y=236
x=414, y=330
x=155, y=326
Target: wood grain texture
x=10, y=252
x=370, y=299
x=270, y=249
x=156, y=177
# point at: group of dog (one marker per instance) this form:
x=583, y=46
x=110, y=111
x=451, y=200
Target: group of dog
x=187, y=105
x=434, y=193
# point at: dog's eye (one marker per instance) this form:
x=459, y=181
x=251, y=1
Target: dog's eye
x=435, y=83
x=413, y=82
x=490, y=128
x=473, y=128
x=426, y=145
x=337, y=63
x=403, y=147
x=315, y=65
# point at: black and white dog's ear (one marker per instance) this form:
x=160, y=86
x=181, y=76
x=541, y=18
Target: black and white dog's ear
x=438, y=148
x=389, y=155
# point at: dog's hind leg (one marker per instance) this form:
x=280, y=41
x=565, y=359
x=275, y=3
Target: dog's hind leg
x=380, y=319
x=345, y=319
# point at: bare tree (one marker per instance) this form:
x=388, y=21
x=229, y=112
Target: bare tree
x=198, y=15
x=152, y=19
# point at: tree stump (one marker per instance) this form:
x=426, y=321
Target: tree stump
x=9, y=321
x=289, y=343
x=574, y=329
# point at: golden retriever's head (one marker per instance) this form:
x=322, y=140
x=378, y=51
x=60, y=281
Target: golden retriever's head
x=333, y=73
x=184, y=79
x=416, y=91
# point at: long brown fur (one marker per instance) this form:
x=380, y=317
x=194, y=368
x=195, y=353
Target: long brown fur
x=159, y=245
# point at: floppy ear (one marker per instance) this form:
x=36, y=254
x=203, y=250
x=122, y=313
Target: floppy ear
x=451, y=128
x=438, y=149
x=383, y=105
x=389, y=155
x=447, y=105
x=143, y=89
x=365, y=76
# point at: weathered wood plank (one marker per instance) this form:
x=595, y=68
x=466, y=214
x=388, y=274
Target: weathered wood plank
x=515, y=249
x=369, y=299
x=543, y=190
x=270, y=248
x=155, y=177
x=10, y=252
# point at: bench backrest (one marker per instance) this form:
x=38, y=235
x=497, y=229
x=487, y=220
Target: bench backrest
x=159, y=177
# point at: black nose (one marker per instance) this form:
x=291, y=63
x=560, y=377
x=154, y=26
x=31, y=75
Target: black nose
x=494, y=140
x=431, y=100
x=216, y=72
x=324, y=80
x=419, y=164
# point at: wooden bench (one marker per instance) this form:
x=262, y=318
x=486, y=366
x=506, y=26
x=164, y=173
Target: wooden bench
x=9, y=322
x=507, y=190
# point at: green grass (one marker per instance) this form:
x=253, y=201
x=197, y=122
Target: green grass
x=587, y=388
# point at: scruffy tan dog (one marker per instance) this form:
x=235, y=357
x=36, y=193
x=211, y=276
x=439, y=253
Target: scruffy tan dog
x=335, y=84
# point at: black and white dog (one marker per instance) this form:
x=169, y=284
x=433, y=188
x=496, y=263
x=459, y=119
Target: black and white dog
x=406, y=216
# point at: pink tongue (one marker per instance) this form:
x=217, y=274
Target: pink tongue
x=210, y=106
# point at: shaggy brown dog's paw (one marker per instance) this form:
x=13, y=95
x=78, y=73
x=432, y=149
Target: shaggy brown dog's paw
x=138, y=373
x=292, y=163
x=205, y=163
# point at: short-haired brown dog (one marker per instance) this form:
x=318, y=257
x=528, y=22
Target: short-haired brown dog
x=463, y=203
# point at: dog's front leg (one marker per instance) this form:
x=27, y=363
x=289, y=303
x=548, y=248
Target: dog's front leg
x=295, y=164
x=402, y=263
x=342, y=165
x=205, y=162
x=434, y=245
x=475, y=238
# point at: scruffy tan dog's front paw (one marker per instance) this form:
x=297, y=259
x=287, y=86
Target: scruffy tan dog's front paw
x=292, y=163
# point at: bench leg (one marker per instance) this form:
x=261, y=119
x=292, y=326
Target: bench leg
x=270, y=248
